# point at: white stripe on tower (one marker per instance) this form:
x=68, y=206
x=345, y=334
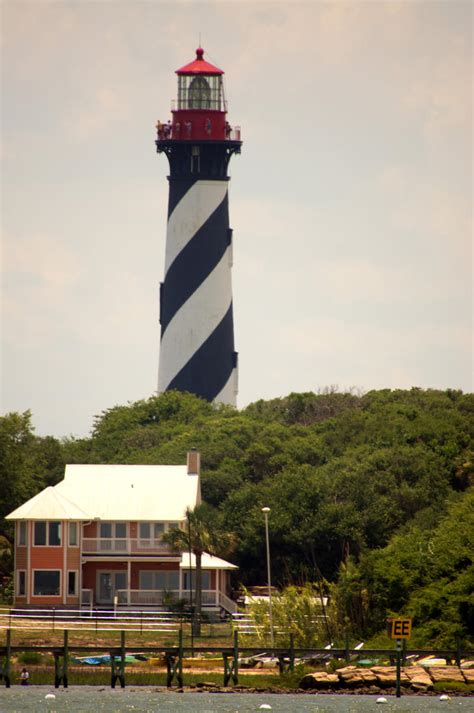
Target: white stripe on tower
x=194, y=322
x=228, y=394
x=190, y=214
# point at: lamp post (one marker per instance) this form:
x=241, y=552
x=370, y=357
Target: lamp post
x=265, y=512
x=190, y=584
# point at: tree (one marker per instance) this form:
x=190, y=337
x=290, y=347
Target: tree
x=203, y=534
x=296, y=611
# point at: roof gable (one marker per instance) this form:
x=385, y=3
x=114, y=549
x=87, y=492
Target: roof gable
x=49, y=504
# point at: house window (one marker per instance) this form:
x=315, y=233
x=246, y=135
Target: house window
x=72, y=583
x=113, y=536
x=21, y=589
x=47, y=534
x=151, y=530
x=206, y=579
x=167, y=580
x=22, y=530
x=73, y=534
x=113, y=529
x=40, y=533
x=46, y=582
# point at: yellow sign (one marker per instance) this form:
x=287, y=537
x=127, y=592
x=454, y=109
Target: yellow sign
x=399, y=628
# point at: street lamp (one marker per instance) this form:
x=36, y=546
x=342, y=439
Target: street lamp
x=265, y=512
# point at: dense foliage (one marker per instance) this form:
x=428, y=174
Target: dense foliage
x=370, y=495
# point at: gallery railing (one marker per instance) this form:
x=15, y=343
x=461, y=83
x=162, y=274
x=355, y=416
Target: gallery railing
x=124, y=546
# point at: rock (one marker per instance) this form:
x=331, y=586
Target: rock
x=352, y=676
x=346, y=669
x=419, y=678
x=446, y=673
x=319, y=679
x=386, y=676
x=468, y=674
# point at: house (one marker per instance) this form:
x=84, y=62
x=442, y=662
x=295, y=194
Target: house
x=96, y=540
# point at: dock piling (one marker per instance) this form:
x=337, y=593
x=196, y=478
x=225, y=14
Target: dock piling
x=174, y=664
x=231, y=668
x=5, y=669
x=118, y=667
x=61, y=668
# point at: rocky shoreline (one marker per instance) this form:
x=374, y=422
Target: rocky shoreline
x=414, y=679
x=351, y=680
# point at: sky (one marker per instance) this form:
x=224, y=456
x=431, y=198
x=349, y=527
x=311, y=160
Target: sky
x=351, y=202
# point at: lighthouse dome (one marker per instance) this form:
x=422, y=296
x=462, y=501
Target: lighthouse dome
x=200, y=66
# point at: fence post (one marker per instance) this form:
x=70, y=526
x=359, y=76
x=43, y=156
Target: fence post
x=54, y=616
x=65, y=658
x=399, y=651
x=236, y=658
x=122, y=659
x=180, y=659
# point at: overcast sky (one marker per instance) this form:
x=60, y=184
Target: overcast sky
x=351, y=202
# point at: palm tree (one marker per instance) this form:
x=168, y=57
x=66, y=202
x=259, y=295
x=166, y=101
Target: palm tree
x=203, y=534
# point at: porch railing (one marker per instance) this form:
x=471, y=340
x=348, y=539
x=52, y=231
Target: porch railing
x=124, y=546
x=87, y=597
x=161, y=597
x=227, y=603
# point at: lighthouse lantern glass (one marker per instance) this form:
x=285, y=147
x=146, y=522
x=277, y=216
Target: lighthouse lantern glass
x=200, y=92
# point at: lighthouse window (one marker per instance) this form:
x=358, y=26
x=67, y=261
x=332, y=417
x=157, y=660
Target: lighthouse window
x=199, y=94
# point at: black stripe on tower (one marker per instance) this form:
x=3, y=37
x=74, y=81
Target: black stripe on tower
x=178, y=189
x=210, y=367
x=195, y=262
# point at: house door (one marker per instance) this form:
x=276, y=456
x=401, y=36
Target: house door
x=107, y=585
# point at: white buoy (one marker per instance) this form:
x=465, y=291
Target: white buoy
x=50, y=695
x=381, y=700
x=444, y=697
x=265, y=707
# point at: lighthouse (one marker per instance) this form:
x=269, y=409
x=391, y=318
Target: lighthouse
x=197, y=351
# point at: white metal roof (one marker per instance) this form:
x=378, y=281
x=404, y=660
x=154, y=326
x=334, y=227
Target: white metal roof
x=116, y=492
x=49, y=504
x=207, y=562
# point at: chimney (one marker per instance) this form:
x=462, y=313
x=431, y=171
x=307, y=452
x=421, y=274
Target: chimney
x=194, y=462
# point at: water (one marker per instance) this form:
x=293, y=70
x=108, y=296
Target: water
x=84, y=699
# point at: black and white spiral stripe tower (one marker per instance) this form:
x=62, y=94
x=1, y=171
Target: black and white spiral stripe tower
x=197, y=351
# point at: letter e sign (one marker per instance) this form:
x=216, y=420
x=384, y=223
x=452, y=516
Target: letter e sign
x=401, y=629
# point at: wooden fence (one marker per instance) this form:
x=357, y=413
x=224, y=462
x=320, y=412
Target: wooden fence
x=231, y=657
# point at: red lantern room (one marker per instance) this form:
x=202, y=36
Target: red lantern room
x=199, y=113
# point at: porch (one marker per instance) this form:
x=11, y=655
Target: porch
x=159, y=583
